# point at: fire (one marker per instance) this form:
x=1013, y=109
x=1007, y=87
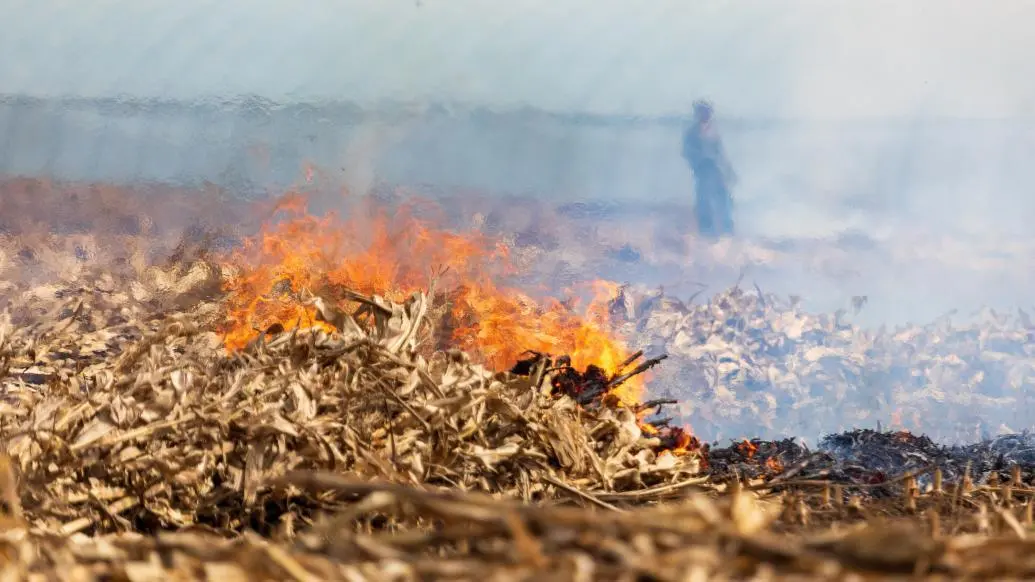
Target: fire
x=747, y=448
x=684, y=441
x=394, y=254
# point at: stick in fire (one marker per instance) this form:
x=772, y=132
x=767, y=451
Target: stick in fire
x=595, y=388
x=588, y=388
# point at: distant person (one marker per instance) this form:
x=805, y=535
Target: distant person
x=712, y=172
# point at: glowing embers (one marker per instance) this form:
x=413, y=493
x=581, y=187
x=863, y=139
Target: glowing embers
x=595, y=387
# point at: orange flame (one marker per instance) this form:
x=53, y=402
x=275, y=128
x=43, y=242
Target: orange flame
x=394, y=255
x=683, y=443
x=747, y=448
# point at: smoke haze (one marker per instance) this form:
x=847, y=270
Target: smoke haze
x=794, y=58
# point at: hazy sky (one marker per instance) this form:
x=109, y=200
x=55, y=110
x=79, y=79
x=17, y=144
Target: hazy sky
x=753, y=57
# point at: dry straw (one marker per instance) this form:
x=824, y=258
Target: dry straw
x=135, y=448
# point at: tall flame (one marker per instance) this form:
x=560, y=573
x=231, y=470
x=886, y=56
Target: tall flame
x=394, y=254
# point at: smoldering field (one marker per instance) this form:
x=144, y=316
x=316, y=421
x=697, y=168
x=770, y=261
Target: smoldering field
x=914, y=230
x=747, y=357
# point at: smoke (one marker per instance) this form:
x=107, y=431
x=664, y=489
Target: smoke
x=922, y=216
x=797, y=58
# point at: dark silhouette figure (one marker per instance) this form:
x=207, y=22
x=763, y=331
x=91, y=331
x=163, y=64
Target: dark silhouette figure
x=713, y=175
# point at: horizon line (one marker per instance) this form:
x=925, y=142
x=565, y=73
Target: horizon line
x=416, y=106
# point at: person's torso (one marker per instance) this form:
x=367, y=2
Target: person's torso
x=702, y=146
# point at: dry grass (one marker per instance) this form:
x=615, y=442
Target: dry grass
x=135, y=448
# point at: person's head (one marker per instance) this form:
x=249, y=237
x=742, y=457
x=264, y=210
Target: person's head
x=703, y=110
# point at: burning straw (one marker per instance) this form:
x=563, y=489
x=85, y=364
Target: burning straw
x=347, y=445
x=317, y=455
